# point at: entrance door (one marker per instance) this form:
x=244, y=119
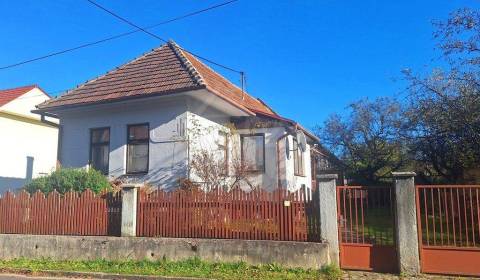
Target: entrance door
x=366, y=228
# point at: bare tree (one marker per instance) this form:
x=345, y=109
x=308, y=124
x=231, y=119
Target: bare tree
x=213, y=170
x=366, y=139
x=215, y=173
x=443, y=120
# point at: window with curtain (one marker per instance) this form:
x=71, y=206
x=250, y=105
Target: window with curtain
x=253, y=151
x=137, y=148
x=100, y=149
x=299, y=166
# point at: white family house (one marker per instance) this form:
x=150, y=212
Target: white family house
x=146, y=120
x=28, y=143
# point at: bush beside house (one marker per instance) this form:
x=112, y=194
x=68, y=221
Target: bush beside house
x=69, y=179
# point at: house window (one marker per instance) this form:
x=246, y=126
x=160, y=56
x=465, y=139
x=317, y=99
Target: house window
x=299, y=166
x=223, y=150
x=137, y=148
x=253, y=151
x=100, y=149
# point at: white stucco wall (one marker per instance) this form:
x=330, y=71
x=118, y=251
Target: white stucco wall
x=203, y=125
x=24, y=136
x=295, y=182
x=167, y=147
x=179, y=128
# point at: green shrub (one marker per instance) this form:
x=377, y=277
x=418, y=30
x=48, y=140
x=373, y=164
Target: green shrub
x=69, y=179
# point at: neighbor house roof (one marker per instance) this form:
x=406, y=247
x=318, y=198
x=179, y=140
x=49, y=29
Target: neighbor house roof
x=164, y=70
x=7, y=95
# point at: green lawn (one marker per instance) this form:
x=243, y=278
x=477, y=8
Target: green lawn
x=187, y=268
x=378, y=225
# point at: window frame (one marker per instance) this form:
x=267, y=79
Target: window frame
x=224, y=148
x=242, y=136
x=90, y=159
x=298, y=159
x=147, y=141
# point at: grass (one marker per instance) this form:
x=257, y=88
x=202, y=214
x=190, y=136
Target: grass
x=331, y=272
x=379, y=223
x=378, y=226
x=187, y=268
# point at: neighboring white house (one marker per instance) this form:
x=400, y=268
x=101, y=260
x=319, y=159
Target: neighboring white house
x=146, y=120
x=28, y=145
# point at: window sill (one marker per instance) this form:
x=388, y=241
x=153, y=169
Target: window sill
x=136, y=173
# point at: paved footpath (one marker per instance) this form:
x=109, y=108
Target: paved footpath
x=380, y=276
x=348, y=275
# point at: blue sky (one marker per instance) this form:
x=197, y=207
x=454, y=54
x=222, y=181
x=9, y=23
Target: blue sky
x=307, y=59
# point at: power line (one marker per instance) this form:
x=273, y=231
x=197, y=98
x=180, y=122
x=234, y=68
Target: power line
x=159, y=38
x=117, y=36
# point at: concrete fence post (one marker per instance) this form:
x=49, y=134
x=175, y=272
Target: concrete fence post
x=129, y=209
x=327, y=195
x=406, y=223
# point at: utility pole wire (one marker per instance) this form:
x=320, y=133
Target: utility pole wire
x=159, y=38
x=116, y=36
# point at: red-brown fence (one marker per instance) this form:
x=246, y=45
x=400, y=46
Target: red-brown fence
x=450, y=215
x=55, y=214
x=256, y=215
x=448, y=219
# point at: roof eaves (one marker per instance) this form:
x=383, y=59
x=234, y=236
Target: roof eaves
x=41, y=108
x=291, y=122
x=266, y=105
x=240, y=106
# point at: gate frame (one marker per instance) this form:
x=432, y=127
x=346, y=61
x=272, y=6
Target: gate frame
x=367, y=256
x=463, y=258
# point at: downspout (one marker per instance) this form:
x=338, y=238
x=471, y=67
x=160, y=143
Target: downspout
x=279, y=181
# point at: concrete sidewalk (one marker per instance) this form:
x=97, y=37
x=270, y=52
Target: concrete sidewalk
x=361, y=275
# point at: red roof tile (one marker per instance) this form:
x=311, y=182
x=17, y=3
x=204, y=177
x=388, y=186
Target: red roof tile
x=7, y=95
x=164, y=70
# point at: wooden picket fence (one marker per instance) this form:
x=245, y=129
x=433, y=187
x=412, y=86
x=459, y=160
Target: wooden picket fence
x=69, y=214
x=255, y=215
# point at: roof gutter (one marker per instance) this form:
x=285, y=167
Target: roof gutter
x=289, y=121
x=46, y=114
x=47, y=107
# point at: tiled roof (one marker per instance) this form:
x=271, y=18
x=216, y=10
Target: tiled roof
x=164, y=70
x=7, y=95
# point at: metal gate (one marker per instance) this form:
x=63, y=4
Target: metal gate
x=366, y=228
x=448, y=219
